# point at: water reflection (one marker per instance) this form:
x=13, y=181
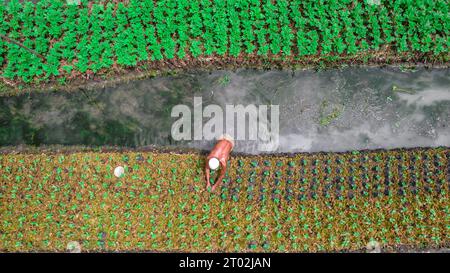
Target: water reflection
x=334, y=110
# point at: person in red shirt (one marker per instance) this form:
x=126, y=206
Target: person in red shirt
x=218, y=158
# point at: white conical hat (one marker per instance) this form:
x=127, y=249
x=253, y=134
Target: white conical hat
x=213, y=163
x=119, y=171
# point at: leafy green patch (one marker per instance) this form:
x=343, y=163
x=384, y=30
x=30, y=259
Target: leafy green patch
x=54, y=39
x=302, y=202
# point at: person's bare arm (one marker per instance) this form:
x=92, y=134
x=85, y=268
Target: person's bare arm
x=219, y=181
x=207, y=174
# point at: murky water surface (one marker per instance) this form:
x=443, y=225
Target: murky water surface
x=333, y=110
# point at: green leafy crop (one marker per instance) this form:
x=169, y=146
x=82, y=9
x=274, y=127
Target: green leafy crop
x=97, y=36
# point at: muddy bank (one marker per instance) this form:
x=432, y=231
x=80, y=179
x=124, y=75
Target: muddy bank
x=145, y=70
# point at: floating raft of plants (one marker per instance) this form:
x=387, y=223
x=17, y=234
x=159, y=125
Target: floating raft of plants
x=56, y=39
x=285, y=203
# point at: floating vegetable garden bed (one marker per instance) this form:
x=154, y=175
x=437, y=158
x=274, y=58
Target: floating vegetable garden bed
x=301, y=202
x=65, y=41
